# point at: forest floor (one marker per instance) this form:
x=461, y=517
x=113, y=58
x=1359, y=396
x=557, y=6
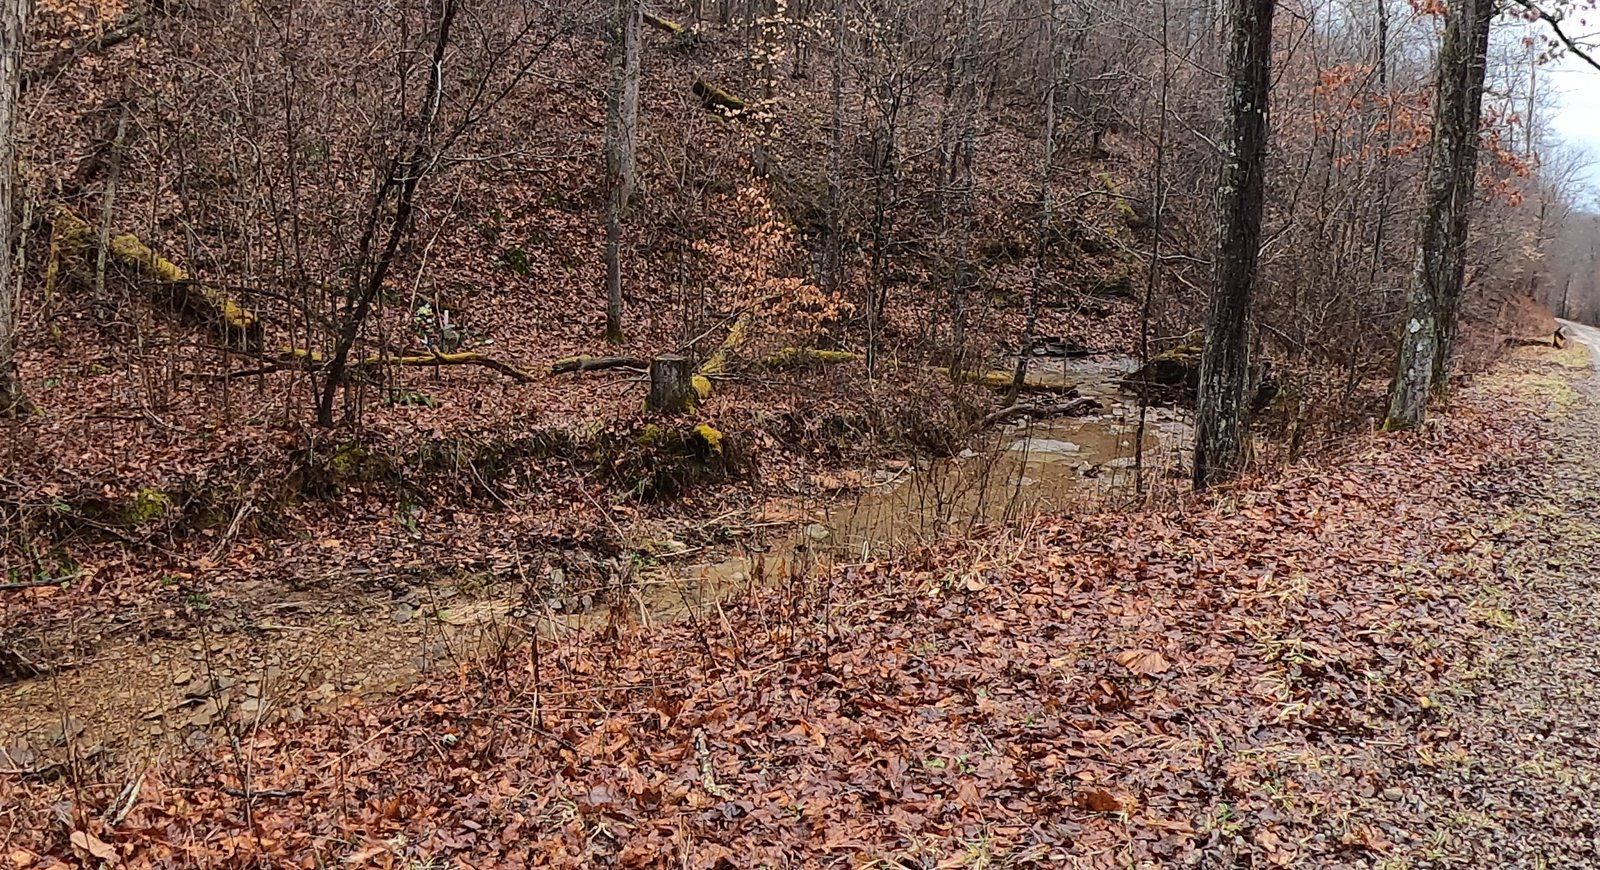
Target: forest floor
x=1384, y=662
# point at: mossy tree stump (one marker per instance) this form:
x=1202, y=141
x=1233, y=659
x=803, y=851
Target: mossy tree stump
x=671, y=384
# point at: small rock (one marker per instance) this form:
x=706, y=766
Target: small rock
x=818, y=532
x=403, y=614
x=1393, y=794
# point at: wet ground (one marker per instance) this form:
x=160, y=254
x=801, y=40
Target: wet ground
x=165, y=682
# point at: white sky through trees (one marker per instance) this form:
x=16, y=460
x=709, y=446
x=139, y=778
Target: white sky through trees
x=1577, y=122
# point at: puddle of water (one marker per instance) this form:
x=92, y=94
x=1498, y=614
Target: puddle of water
x=1045, y=448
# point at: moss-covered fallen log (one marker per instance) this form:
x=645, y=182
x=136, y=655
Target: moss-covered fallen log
x=715, y=98
x=665, y=25
x=717, y=364
x=793, y=357
x=75, y=241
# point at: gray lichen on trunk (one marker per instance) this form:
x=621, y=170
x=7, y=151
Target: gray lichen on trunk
x=622, y=126
x=1222, y=419
x=1428, y=333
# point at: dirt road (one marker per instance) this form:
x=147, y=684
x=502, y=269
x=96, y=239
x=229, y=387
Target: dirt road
x=1524, y=790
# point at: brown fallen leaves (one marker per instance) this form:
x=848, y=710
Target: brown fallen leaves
x=1143, y=662
x=946, y=706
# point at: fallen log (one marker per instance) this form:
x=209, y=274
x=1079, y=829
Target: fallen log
x=791, y=357
x=295, y=358
x=597, y=363
x=715, y=98
x=73, y=238
x=124, y=30
x=665, y=25
x=1075, y=407
x=718, y=363
x=434, y=360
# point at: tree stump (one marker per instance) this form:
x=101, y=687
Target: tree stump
x=671, y=384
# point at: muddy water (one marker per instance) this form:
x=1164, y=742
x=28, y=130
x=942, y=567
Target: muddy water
x=1012, y=474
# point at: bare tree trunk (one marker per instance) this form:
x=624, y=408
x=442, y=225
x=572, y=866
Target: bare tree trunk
x=1429, y=331
x=890, y=93
x=622, y=129
x=1053, y=69
x=13, y=28
x=1222, y=421
x=1381, y=225
x=833, y=256
x=957, y=152
x=1158, y=197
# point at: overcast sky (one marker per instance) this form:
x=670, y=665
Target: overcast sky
x=1578, y=121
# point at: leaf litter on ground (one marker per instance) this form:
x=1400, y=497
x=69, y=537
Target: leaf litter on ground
x=1274, y=677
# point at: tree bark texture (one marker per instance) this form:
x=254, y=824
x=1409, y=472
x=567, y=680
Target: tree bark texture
x=622, y=128
x=13, y=26
x=1222, y=419
x=671, y=384
x=1434, y=295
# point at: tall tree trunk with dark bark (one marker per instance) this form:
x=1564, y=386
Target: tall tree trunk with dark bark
x=622, y=129
x=13, y=27
x=1222, y=422
x=1428, y=334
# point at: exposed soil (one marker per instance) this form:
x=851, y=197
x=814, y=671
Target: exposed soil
x=176, y=673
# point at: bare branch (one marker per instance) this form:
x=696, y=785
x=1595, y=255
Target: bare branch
x=1554, y=21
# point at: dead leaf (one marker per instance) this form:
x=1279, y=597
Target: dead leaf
x=1098, y=800
x=1144, y=662
x=95, y=847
